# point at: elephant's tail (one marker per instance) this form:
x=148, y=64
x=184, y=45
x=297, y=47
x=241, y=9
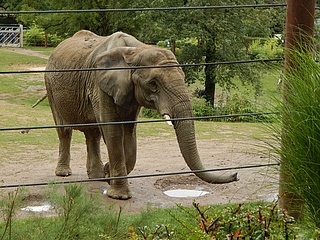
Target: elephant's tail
x=40, y=100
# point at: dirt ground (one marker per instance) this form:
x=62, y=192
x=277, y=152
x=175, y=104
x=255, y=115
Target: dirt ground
x=155, y=155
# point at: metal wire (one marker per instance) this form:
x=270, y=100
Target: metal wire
x=136, y=176
x=146, y=67
x=140, y=67
x=145, y=9
x=137, y=121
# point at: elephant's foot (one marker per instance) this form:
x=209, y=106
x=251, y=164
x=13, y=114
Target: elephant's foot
x=120, y=192
x=63, y=171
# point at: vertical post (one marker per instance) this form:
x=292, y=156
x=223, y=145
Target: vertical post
x=21, y=35
x=299, y=32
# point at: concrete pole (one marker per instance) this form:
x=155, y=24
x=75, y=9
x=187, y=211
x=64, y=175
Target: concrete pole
x=299, y=32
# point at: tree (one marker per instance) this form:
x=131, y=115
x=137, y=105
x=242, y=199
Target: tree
x=195, y=36
x=220, y=37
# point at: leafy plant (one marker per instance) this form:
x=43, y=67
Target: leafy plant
x=8, y=207
x=242, y=221
x=299, y=137
x=265, y=49
x=35, y=36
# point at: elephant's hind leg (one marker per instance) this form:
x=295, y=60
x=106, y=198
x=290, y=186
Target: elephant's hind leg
x=63, y=167
x=95, y=167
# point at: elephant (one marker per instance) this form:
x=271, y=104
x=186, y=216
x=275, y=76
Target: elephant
x=105, y=95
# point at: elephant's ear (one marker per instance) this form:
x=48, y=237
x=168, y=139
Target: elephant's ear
x=116, y=83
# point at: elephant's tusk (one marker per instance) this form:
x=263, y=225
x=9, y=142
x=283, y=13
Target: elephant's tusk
x=167, y=117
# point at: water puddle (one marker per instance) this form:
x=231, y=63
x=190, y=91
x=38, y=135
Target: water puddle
x=45, y=207
x=185, y=193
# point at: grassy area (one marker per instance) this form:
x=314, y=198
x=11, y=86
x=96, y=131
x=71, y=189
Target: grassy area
x=46, y=51
x=11, y=60
x=80, y=215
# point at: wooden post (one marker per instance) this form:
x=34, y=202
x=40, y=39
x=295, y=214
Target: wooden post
x=299, y=32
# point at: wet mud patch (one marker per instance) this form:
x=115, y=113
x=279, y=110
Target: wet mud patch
x=180, y=181
x=183, y=186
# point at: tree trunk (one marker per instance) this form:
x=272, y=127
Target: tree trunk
x=210, y=80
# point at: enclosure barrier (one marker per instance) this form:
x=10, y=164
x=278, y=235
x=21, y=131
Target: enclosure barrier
x=145, y=9
x=137, y=121
x=141, y=121
x=11, y=35
x=136, y=176
x=145, y=67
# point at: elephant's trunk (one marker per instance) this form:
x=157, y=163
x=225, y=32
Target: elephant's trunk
x=186, y=138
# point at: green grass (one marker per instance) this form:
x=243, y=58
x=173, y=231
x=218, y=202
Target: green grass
x=47, y=51
x=11, y=60
x=81, y=215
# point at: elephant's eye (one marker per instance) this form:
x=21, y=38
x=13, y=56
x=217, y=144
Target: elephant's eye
x=153, y=85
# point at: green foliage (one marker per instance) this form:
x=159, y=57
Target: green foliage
x=195, y=35
x=299, y=138
x=265, y=49
x=150, y=113
x=82, y=215
x=35, y=36
x=74, y=210
x=256, y=221
x=8, y=206
x=233, y=105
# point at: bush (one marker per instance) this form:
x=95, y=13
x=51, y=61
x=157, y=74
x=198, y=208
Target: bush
x=269, y=48
x=35, y=36
x=150, y=113
x=232, y=222
x=235, y=104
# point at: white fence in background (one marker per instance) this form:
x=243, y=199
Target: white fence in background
x=11, y=35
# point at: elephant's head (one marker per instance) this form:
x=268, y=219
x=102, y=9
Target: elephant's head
x=158, y=88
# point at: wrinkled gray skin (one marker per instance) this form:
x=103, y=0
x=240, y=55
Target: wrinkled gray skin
x=117, y=95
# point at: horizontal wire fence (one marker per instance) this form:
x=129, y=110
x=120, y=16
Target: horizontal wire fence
x=145, y=67
x=145, y=9
x=138, y=176
x=137, y=121
x=141, y=67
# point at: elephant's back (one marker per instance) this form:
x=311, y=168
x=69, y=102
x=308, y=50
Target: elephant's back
x=67, y=90
x=73, y=52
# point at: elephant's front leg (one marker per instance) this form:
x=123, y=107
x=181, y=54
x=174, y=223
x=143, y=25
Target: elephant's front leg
x=130, y=146
x=130, y=149
x=94, y=163
x=114, y=137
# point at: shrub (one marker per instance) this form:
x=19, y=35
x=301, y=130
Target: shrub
x=34, y=36
x=235, y=104
x=269, y=48
x=234, y=222
x=298, y=141
x=150, y=113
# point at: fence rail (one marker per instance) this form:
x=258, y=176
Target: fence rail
x=145, y=67
x=145, y=9
x=138, y=176
x=138, y=121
